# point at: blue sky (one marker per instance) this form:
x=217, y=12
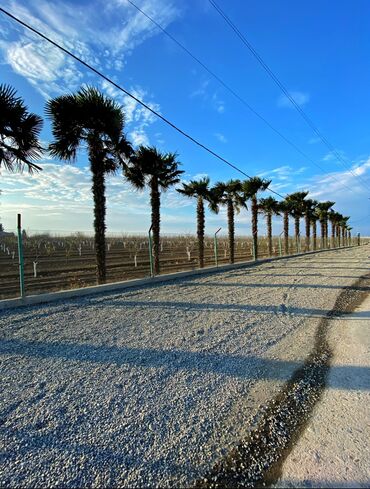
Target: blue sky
x=319, y=49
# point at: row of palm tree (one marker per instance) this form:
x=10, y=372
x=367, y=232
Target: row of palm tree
x=89, y=119
x=235, y=194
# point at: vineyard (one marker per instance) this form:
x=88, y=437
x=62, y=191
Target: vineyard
x=57, y=263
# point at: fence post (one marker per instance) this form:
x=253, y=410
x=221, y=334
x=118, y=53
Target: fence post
x=20, y=256
x=280, y=250
x=216, y=247
x=151, y=252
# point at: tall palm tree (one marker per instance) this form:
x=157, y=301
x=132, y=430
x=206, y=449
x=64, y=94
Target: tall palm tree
x=90, y=118
x=337, y=229
x=349, y=236
x=309, y=214
x=229, y=194
x=250, y=188
x=19, y=133
x=343, y=225
x=269, y=206
x=286, y=208
x=297, y=201
x=200, y=190
x=314, y=219
x=334, y=218
x=159, y=171
x=322, y=211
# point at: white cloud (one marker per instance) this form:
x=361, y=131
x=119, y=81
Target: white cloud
x=137, y=117
x=28, y=59
x=212, y=98
x=337, y=184
x=220, y=137
x=301, y=98
x=139, y=137
x=60, y=197
x=314, y=140
x=283, y=173
x=83, y=31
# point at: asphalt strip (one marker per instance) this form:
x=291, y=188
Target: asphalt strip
x=257, y=460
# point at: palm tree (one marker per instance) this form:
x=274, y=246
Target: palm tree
x=349, y=236
x=343, y=225
x=334, y=218
x=201, y=191
x=309, y=214
x=297, y=201
x=337, y=229
x=89, y=117
x=322, y=211
x=250, y=188
x=314, y=229
x=19, y=133
x=269, y=206
x=159, y=171
x=229, y=194
x=286, y=208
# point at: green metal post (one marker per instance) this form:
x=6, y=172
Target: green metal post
x=280, y=249
x=20, y=256
x=216, y=247
x=151, y=252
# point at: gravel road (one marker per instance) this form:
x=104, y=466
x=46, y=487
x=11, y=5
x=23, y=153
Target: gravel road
x=334, y=449
x=151, y=386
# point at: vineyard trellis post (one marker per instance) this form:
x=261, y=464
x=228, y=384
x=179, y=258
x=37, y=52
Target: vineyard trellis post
x=151, y=251
x=20, y=255
x=280, y=248
x=216, y=247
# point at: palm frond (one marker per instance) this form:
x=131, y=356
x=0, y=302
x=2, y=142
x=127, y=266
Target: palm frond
x=19, y=133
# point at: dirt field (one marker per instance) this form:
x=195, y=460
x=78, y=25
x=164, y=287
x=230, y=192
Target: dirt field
x=70, y=262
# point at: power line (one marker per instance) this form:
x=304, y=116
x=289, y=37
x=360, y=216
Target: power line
x=164, y=119
x=277, y=81
x=235, y=94
x=109, y=80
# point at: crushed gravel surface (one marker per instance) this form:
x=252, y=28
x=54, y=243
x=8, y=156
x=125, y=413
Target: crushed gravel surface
x=152, y=386
x=334, y=449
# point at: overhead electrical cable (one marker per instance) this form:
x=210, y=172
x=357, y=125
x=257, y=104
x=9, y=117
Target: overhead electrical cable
x=278, y=82
x=150, y=109
x=236, y=95
x=146, y=106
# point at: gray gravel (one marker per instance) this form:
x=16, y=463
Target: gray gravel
x=150, y=387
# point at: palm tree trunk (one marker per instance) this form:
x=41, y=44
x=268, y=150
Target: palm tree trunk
x=155, y=203
x=344, y=237
x=286, y=232
x=308, y=230
x=296, y=230
x=322, y=226
x=314, y=234
x=200, y=230
x=269, y=231
x=338, y=236
x=326, y=233
x=254, y=211
x=98, y=191
x=332, y=234
x=231, y=228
